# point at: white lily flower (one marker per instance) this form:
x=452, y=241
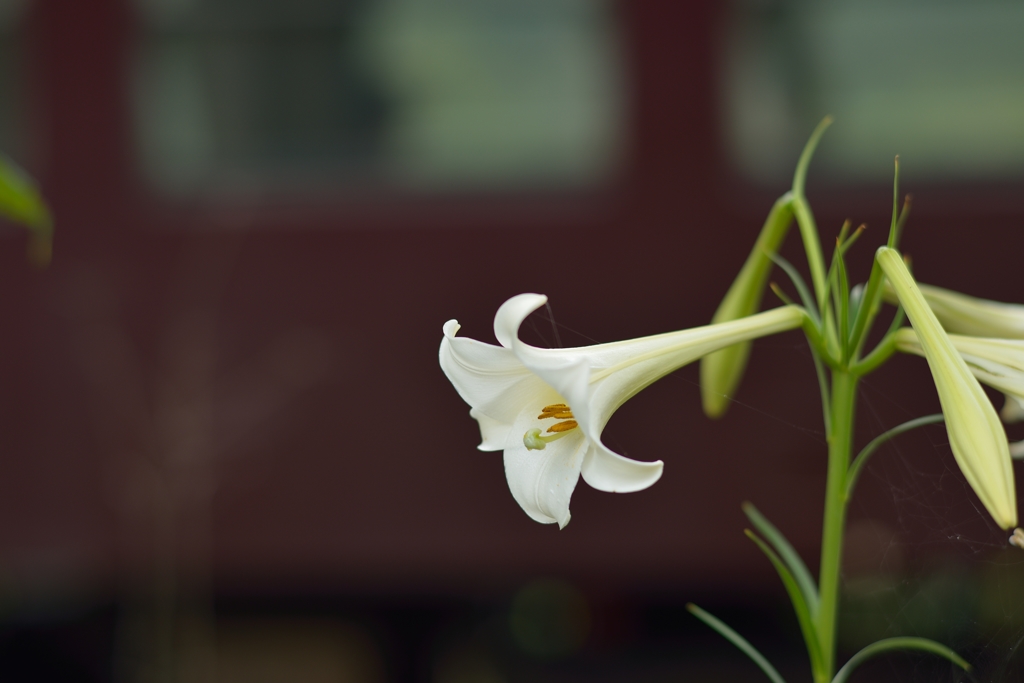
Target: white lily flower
x=998, y=363
x=976, y=436
x=546, y=408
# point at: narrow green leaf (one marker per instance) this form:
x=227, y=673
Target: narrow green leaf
x=890, y=644
x=904, y=214
x=830, y=275
x=798, y=282
x=802, y=211
x=737, y=640
x=849, y=242
x=785, y=298
x=800, y=606
x=893, y=236
x=872, y=299
x=823, y=388
x=787, y=553
x=873, y=293
x=800, y=175
x=868, y=307
x=858, y=463
x=843, y=300
x=812, y=244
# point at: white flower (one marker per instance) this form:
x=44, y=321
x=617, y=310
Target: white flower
x=546, y=408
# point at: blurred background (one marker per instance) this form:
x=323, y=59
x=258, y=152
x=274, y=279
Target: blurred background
x=227, y=452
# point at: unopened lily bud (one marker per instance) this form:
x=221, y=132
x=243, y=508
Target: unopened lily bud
x=721, y=371
x=976, y=435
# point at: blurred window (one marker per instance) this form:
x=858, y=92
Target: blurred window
x=940, y=82
x=13, y=128
x=413, y=95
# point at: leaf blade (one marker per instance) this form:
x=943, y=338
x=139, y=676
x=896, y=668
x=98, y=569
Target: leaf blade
x=899, y=643
x=736, y=639
x=788, y=554
x=803, y=613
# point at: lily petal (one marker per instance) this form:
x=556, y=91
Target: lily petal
x=543, y=481
x=493, y=433
x=608, y=471
x=489, y=378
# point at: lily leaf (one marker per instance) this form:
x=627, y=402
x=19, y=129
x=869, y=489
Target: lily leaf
x=787, y=553
x=800, y=606
x=858, y=463
x=890, y=644
x=737, y=640
x=798, y=282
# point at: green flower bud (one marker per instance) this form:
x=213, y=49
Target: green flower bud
x=976, y=435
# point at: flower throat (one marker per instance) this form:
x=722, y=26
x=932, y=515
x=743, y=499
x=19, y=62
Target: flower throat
x=534, y=441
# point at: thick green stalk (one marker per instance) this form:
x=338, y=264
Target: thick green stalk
x=840, y=443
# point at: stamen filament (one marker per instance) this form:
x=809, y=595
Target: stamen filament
x=535, y=442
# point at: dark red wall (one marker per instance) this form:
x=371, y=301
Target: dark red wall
x=259, y=382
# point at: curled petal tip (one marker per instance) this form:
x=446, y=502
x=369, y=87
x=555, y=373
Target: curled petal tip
x=607, y=471
x=511, y=315
x=451, y=328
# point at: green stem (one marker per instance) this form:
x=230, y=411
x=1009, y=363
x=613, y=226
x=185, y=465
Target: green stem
x=840, y=441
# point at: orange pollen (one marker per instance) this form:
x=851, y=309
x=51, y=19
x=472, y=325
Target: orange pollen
x=563, y=426
x=558, y=411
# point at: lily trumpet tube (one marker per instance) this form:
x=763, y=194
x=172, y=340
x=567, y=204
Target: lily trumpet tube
x=546, y=408
x=976, y=435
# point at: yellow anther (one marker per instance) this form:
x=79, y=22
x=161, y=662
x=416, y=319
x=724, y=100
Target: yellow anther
x=563, y=426
x=534, y=441
x=558, y=411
